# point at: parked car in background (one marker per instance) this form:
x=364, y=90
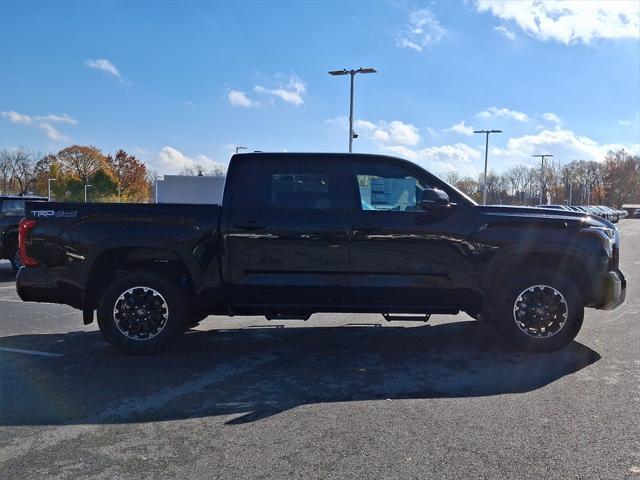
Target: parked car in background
x=11, y=212
x=554, y=207
x=636, y=214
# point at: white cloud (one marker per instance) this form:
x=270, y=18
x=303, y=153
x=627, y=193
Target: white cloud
x=563, y=144
x=43, y=122
x=292, y=92
x=493, y=112
x=569, y=22
x=624, y=123
x=104, y=65
x=240, y=99
x=422, y=31
x=15, y=117
x=172, y=161
x=552, y=117
x=51, y=132
x=461, y=128
x=457, y=157
x=505, y=31
x=394, y=132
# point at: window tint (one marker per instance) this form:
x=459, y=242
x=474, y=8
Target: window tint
x=388, y=188
x=12, y=207
x=300, y=190
x=301, y=186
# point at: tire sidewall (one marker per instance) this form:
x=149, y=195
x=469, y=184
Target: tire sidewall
x=174, y=326
x=503, y=300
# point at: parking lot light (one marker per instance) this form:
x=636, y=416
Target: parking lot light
x=542, y=157
x=352, y=73
x=486, y=152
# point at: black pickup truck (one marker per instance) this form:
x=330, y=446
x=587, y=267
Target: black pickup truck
x=303, y=233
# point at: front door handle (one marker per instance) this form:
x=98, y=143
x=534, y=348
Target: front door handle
x=251, y=225
x=366, y=227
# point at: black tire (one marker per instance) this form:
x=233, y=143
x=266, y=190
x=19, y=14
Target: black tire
x=142, y=313
x=539, y=311
x=15, y=260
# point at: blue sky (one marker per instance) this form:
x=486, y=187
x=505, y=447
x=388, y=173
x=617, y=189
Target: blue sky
x=178, y=83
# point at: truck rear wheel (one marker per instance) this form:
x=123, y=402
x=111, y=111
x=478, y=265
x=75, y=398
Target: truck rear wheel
x=540, y=311
x=141, y=313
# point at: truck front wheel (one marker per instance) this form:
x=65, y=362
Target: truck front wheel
x=141, y=313
x=540, y=311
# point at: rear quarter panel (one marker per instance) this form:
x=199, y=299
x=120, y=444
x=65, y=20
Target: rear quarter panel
x=69, y=237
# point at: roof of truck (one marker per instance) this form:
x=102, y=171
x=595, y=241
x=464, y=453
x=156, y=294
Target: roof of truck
x=268, y=155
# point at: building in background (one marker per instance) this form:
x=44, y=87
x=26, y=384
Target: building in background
x=190, y=189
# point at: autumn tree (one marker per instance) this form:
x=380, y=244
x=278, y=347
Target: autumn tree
x=621, y=178
x=130, y=175
x=81, y=161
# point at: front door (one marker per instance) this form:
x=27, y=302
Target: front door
x=288, y=243
x=402, y=255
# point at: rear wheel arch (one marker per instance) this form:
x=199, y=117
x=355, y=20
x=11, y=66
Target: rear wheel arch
x=109, y=262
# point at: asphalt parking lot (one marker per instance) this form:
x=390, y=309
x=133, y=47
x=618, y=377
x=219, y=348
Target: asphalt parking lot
x=339, y=396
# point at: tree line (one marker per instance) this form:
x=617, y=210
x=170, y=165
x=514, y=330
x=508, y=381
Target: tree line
x=123, y=177
x=613, y=182
x=117, y=177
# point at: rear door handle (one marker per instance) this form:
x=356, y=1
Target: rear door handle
x=366, y=227
x=252, y=225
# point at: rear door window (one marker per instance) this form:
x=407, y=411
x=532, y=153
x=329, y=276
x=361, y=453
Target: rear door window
x=302, y=185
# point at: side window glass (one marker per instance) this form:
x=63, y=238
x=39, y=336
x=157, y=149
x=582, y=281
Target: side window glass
x=300, y=185
x=307, y=191
x=388, y=188
x=12, y=207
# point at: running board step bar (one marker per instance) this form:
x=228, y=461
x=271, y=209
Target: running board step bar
x=389, y=317
x=287, y=316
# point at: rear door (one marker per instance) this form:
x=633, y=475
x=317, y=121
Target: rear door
x=288, y=231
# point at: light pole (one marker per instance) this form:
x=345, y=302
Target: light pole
x=542, y=157
x=85, y=192
x=240, y=148
x=486, y=153
x=49, y=189
x=352, y=73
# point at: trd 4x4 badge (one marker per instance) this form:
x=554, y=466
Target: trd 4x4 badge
x=54, y=213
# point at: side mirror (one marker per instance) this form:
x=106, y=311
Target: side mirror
x=434, y=199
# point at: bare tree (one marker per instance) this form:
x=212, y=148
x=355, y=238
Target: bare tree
x=6, y=170
x=199, y=171
x=20, y=169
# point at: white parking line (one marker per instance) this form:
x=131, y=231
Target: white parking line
x=30, y=352
x=10, y=286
